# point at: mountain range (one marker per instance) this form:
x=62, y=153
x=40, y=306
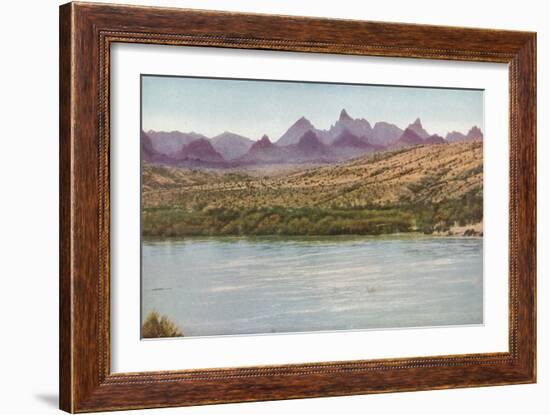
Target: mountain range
x=346, y=139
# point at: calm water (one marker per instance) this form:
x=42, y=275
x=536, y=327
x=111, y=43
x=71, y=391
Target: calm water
x=217, y=286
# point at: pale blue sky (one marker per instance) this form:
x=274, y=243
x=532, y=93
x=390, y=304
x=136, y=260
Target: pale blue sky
x=253, y=108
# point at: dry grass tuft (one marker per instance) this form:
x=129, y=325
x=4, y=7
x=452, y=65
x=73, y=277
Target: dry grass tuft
x=156, y=326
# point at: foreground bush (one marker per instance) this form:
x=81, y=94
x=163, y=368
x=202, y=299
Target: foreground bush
x=156, y=325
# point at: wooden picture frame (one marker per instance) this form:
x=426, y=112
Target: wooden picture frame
x=86, y=33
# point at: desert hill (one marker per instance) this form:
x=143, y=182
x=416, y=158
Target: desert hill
x=427, y=188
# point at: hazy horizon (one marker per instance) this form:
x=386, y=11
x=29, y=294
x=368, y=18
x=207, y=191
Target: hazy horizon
x=211, y=106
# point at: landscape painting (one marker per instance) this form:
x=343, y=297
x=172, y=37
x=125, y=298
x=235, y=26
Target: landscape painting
x=274, y=206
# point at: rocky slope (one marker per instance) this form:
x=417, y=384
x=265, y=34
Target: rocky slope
x=429, y=188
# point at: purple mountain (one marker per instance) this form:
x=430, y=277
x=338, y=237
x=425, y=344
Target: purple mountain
x=348, y=146
x=310, y=145
x=416, y=127
x=409, y=138
x=357, y=126
x=385, y=134
x=148, y=152
x=302, y=143
x=264, y=151
x=347, y=139
x=262, y=144
x=474, y=133
x=296, y=130
x=454, y=136
x=200, y=150
x=309, y=148
x=231, y=146
x=434, y=139
x=171, y=142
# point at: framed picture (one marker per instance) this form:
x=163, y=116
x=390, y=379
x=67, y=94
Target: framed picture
x=260, y=207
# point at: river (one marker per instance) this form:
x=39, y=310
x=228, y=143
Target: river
x=228, y=286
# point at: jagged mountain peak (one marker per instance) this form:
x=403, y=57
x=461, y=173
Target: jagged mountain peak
x=303, y=121
x=347, y=138
x=262, y=143
x=297, y=130
x=475, y=133
x=344, y=116
x=417, y=127
x=357, y=126
x=411, y=137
